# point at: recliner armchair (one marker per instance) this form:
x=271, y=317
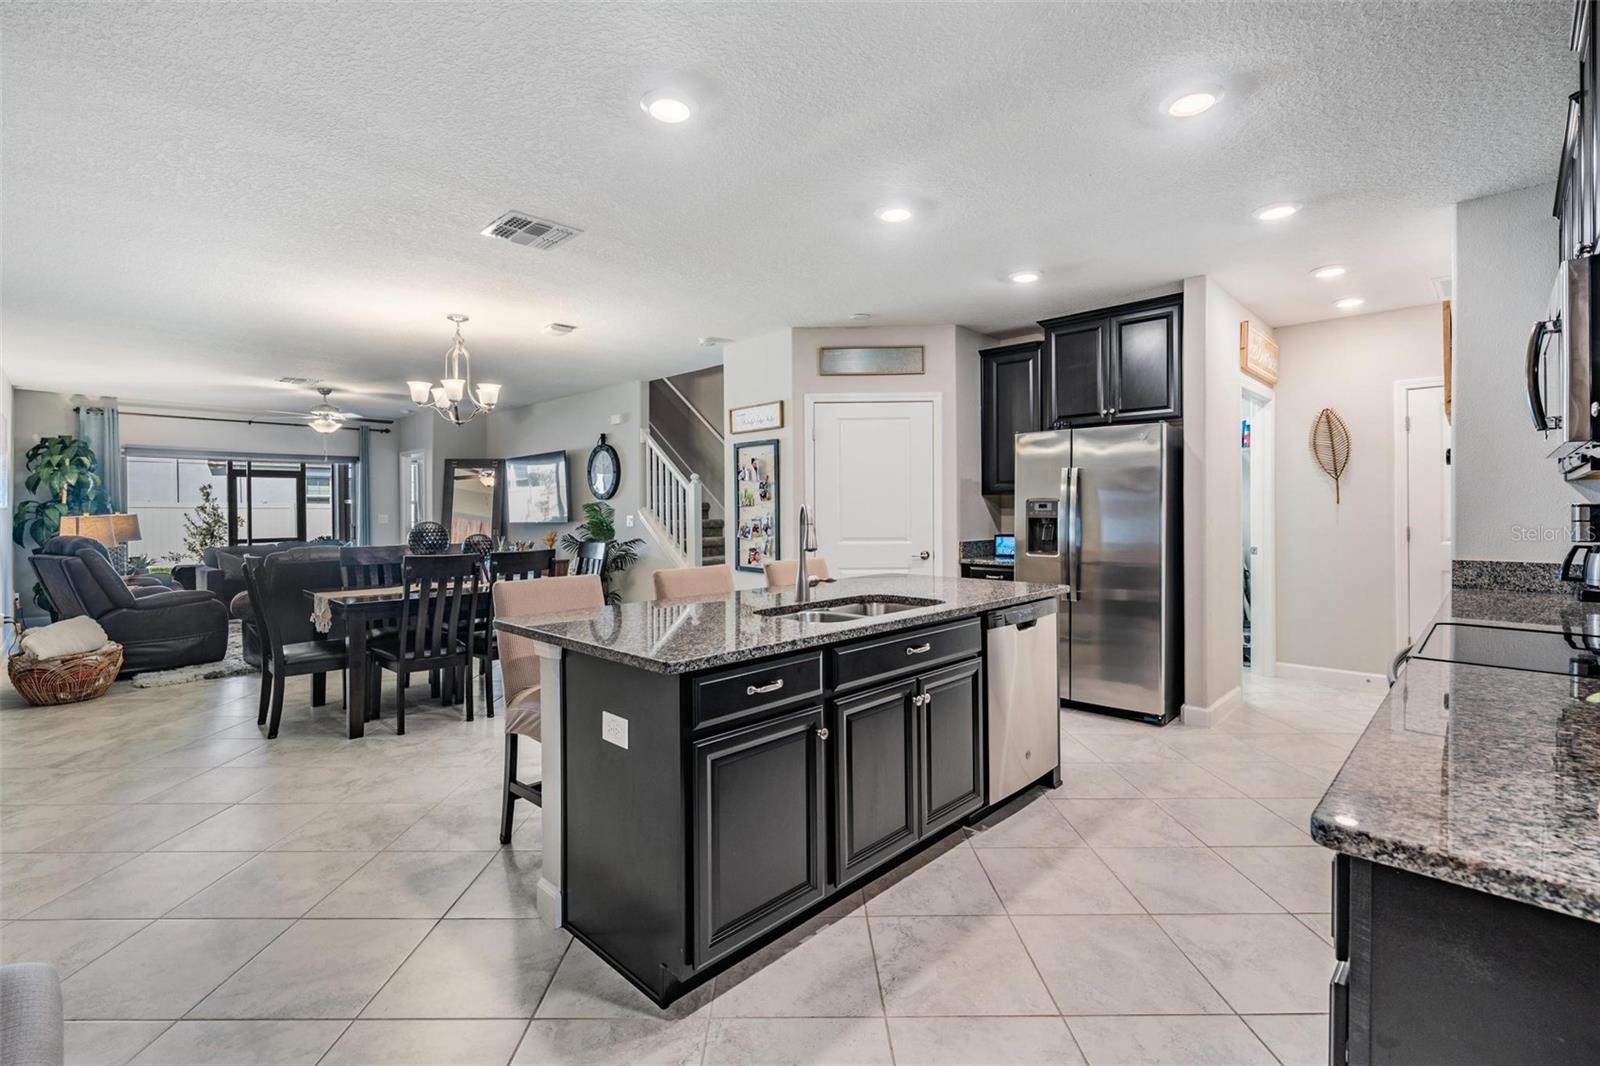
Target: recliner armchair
x=158, y=628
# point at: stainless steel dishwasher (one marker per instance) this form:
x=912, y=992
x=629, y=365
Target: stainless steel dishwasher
x=1024, y=698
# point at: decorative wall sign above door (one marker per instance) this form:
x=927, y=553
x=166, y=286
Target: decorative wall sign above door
x=1258, y=353
x=907, y=359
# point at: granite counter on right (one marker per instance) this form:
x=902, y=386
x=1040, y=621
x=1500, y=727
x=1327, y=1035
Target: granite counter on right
x=1466, y=822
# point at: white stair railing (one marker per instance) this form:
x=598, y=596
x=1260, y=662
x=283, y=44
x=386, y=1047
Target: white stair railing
x=672, y=501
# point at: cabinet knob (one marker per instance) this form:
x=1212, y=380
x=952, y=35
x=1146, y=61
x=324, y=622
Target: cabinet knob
x=822, y=733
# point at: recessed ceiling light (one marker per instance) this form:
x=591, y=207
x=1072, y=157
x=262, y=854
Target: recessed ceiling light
x=1349, y=303
x=1025, y=277
x=894, y=214
x=665, y=106
x=1191, y=104
x=559, y=329
x=1328, y=273
x=1276, y=212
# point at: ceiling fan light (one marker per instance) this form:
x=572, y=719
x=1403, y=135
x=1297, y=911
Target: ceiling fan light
x=419, y=391
x=325, y=424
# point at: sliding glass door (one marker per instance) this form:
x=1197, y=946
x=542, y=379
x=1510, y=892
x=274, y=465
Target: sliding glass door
x=267, y=501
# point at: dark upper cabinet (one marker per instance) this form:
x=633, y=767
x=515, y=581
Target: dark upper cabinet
x=951, y=725
x=875, y=777
x=1143, y=359
x=1118, y=364
x=758, y=829
x=1012, y=404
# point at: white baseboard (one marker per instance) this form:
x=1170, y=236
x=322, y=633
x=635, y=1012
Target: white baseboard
x=1327, y=675
x=1220, y=708
x=549, y=903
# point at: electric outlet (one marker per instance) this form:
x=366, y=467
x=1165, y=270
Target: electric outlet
x=614, y=729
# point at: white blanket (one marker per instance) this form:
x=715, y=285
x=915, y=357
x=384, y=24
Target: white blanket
x=71, y=637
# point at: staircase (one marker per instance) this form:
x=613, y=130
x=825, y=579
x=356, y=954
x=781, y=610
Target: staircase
x=674, y=507
x=713, y=547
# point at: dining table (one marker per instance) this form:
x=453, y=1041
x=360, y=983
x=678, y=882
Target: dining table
x=360, y=609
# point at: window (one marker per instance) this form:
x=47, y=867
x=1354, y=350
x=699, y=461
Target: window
x=262, y=499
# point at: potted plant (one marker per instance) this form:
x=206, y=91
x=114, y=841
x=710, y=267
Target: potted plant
x=599, y=523
x=65, y=469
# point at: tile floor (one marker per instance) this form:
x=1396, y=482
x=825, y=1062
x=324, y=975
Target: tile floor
x=213, y=898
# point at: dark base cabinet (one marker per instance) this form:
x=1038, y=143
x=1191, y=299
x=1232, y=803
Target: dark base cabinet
x=1434, y=973
x=737, y=801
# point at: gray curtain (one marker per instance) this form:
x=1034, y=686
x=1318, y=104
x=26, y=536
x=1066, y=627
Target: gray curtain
x=98, y=428
x=364, y=488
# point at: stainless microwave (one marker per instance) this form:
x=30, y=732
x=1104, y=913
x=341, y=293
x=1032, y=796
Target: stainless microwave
x=1563, y=377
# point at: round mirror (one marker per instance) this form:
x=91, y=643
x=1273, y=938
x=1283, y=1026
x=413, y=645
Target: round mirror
x=604, y=470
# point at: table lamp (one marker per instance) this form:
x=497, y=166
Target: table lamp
x=112, y=530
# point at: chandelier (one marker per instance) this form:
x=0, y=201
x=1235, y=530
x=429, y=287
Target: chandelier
x=453, y=398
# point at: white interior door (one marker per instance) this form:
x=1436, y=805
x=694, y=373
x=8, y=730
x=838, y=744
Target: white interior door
x=1427, y=494
x=872, y=485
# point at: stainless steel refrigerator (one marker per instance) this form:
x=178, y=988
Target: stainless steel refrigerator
x=1099, y=509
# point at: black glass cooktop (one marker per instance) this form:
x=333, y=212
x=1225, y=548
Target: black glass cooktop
x=1540, y=650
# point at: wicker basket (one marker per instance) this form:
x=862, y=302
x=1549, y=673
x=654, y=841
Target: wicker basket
x=68, y=679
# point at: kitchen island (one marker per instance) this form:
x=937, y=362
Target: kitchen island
x=1467, y=881
x=717, y=769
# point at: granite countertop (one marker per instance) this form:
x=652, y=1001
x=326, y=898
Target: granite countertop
x=681, y=636
x=1481, y=776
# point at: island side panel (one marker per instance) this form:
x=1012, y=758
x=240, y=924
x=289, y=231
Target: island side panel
x=548, y=890
x=625, y=880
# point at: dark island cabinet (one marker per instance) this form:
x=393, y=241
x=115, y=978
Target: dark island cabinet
x=876, y=778
x=1118, y=364
x=1012, y=404
x=758, y=829
x=951, y=728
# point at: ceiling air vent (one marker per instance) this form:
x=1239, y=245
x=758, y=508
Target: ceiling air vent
x=519, y=227
x=294, y=381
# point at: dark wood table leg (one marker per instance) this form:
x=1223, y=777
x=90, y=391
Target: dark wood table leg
x=355, y=626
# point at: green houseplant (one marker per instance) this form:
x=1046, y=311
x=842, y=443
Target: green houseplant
x=204, y=527
x=66, y=470
x=599, y=523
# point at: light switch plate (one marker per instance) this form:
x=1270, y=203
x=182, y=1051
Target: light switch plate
x=614, y=729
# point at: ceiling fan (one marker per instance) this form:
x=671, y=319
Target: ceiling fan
x=325, y=417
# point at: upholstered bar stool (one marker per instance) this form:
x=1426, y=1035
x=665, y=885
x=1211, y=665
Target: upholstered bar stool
x=687, y=581
x=782, y=574
x=519, y=668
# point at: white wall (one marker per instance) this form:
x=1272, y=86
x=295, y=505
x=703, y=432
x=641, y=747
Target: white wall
x=1212, y=530
x=1506, y=489
x=1336, y=590
x=573, y=424
x=760, y=370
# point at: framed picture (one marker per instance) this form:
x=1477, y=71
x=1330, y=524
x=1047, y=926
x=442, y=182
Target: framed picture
x=755, y=511
x=756, y=417
x=867, y=361
x=1258, y=353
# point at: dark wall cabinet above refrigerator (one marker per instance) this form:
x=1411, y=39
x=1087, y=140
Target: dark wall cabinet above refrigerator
x=1121, y=364
x=1116, y=364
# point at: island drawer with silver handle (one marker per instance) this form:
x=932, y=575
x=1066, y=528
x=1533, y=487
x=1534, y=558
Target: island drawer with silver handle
x=874, y=661
x=718, y=699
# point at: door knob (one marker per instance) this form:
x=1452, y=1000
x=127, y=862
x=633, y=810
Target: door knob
x=922, y=555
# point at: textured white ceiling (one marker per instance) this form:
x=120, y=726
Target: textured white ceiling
x=197, y=200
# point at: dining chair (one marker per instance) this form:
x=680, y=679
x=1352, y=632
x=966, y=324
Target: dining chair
x=438, y=604
x=281, y=660
x=782, y=574
x=502, y=566
x=372, y=567
x=591, y=558
x=682, y=582
x=519, y=665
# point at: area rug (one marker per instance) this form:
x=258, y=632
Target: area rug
x=231, y=664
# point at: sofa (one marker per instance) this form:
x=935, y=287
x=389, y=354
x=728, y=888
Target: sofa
x=286, y=576
x=158, y=628
x=221, y=570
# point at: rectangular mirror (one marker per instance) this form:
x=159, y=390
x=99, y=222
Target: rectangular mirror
x=474, y=498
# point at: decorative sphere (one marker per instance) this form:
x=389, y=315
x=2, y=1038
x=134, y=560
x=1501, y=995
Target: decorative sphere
x=428, y=538
x=478, y=544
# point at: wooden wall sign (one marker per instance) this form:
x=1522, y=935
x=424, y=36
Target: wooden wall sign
x=756, y=417
x=1258, y=353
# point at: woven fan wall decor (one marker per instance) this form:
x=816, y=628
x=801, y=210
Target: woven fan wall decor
x=1330, y=446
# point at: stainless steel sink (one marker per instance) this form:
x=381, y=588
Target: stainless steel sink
x=845, y=610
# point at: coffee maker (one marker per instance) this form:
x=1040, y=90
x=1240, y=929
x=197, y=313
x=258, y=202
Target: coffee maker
x=1585, y=543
